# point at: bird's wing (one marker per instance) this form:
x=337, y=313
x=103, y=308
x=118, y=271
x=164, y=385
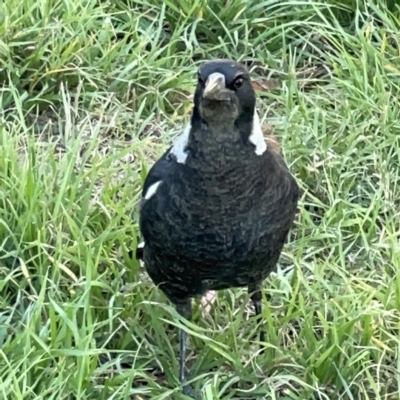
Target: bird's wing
x=157, y=173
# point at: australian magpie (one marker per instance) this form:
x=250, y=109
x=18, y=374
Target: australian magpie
x=217, y=207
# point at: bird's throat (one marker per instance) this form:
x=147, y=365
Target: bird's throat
x=219, y=157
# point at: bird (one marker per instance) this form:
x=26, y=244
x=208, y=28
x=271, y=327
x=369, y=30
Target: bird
x=216, y=208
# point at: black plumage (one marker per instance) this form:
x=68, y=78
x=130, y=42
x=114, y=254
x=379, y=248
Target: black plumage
x=218, y=205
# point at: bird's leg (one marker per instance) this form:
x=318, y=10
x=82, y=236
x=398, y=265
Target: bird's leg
x=256, y=297
x=184, y=309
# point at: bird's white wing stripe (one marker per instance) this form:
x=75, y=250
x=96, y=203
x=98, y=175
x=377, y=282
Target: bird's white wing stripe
x=152, y=190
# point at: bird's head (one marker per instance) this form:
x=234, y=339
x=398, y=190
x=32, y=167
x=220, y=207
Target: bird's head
x=224, y=92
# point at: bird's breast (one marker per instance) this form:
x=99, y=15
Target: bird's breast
x=215, y=222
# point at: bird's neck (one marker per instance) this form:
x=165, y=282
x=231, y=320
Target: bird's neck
x=218, y=150
x=219, y=139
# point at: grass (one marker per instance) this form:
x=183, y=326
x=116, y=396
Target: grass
x=92, y=93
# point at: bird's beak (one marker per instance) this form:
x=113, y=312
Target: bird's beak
x=215, y=86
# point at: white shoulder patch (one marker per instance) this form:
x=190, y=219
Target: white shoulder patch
x=179, y=146
x=151, y=191
x=257, y=136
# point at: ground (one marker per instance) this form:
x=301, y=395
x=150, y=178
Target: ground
x=92, y=93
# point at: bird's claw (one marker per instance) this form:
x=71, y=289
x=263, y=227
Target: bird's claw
x=192, y=393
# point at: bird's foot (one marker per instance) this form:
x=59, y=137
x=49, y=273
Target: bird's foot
x=192, y=393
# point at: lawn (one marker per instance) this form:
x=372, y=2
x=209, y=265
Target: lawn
x=91, y=94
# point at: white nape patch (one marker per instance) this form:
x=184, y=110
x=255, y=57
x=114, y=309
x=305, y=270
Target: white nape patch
x=140, y=245
x=152, y=190
x=179, y=146
x=257, y=136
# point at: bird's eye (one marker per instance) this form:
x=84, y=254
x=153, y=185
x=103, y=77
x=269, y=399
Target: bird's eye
x=238, y=83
